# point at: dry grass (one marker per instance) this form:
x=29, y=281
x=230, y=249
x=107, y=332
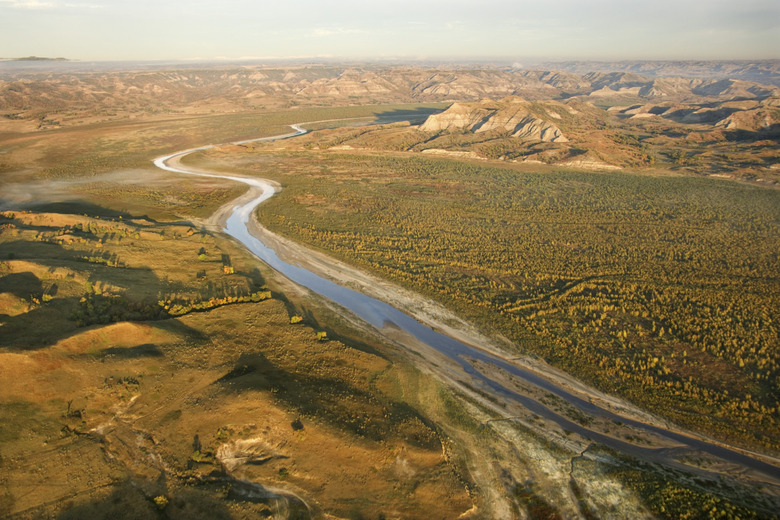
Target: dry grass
x=88, y=411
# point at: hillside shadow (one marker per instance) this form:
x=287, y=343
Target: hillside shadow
x=21, y=285
x=331, y=398
x=37, y=323
x=772, y=132
x=134, y=499
x=340, y=334
x=692, y=115
x=413, y=115
x=52, y=255
x=139, y=351
x=46, y=325
x=78, y=207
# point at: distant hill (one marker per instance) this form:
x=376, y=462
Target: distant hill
x=39, y=58
x=513, y=115
x=760, y=71
x=31, y=91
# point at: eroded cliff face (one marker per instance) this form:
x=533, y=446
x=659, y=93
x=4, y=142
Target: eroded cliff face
x=514, y=115
x=79, y=94
x=741, y=114
x=762, y=115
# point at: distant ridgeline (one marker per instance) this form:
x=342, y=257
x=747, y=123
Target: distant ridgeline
x=38, y=58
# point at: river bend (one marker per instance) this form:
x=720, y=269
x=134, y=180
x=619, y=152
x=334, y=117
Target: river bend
x=380, y=315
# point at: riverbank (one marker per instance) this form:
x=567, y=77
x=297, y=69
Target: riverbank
x=657, y=440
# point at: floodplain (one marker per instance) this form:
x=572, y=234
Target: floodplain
x=153, y=368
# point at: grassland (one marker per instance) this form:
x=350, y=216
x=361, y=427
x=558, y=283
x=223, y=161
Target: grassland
x=657, y=287
x=149, y=372
x=87, y=151
x=118, y=338
x=601, y=138
x=128, y=330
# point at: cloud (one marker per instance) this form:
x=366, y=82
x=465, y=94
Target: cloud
x=84, y=6
x=338, y=31
x=39, y=5
x=28, y=4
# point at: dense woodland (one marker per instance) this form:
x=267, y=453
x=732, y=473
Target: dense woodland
x=659, y=288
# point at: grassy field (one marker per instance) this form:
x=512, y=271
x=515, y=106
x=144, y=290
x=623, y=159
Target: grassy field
x=109, y=164
x=123, y=329
x=123, y=318
x=151, y=364
x=657, y=287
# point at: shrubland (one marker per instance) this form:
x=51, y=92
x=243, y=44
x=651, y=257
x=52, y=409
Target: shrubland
x=656, y=287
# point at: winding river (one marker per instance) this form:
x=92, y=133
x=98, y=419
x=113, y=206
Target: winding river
x=381, y=315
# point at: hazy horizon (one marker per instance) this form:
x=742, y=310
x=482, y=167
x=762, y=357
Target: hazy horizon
x=397, y=29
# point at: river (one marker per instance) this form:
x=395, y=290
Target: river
x=382, y=315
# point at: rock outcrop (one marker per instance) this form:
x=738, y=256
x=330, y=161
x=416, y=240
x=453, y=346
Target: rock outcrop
x=74, y=93
x=740, y=114
x=514, y=115
x=765, y=115
x=735, y=89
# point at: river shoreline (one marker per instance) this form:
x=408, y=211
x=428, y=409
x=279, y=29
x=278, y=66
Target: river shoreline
x=454, y=368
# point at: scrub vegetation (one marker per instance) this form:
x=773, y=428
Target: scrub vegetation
x=660, y=288
x=117, y=340
x=152, y=368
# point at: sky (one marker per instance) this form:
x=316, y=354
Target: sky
x=109, y=30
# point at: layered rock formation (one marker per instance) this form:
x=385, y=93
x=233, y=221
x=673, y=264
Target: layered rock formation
x=741, y=114
x=514, y=115
x=764, y=115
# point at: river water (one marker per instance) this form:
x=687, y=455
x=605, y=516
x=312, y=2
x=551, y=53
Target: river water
x=380, y=315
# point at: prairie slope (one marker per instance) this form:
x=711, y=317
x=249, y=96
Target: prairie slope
x=181, y=405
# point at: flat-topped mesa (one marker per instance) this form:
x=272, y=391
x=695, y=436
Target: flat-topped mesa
x=513, y=114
